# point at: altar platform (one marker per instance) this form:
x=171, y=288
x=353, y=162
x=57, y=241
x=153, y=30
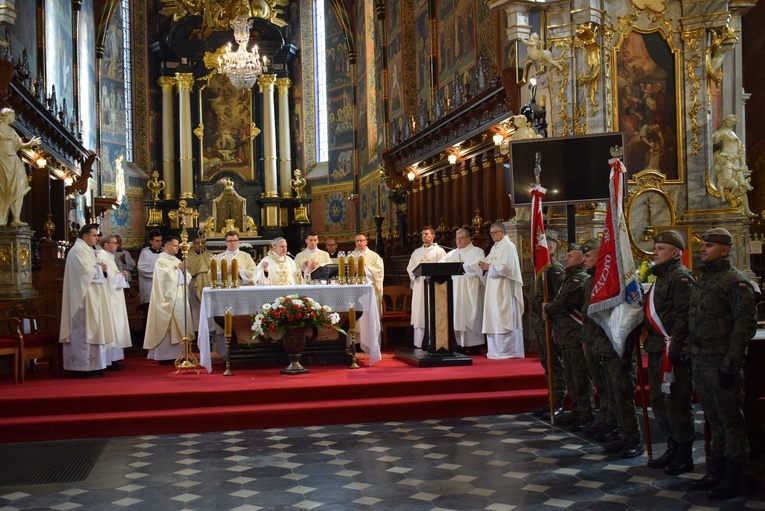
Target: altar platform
x=147, y=398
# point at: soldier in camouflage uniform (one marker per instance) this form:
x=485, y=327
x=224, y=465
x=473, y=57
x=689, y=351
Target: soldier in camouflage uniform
x=667, y=321
x=565, y=311
x=721, y=319
x=553, y=279
x=619, y=372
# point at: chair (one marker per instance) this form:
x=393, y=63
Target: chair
x=10, y=343
x=397, y=312
x=42, y=339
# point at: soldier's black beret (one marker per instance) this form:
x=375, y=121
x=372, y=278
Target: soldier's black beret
x=670, y=238
x=590, y=244
x=718, y=235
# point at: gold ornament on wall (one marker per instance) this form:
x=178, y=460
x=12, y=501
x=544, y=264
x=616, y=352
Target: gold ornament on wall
x=587, y=39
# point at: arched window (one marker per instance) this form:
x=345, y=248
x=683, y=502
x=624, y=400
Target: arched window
x=126, y=51
x=320, y=57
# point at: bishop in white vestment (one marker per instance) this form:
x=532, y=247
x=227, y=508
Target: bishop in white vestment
x=503, y=306
x=429, y=252
x=468, y=291
x=277, y=268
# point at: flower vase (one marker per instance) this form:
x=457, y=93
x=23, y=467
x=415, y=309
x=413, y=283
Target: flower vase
x=294, y=343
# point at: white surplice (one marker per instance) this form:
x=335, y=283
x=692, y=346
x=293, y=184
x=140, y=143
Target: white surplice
x=468, y=292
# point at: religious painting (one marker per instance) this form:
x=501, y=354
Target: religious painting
x=340, y=117
x=110, y=152
x=338, y=64
x=396, y=77
x=393, y=16
x=227, y=132
x=340, y=163
x=59, y=71
x=647, y=113
x=422, y=38
x=24, y=35
x=369, y=118
x=445, y=31
x=87, y=74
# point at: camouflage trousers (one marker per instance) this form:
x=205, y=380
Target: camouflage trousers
x=620, y=385
x=559, y=382
x=598, y=375
x=673, y=411
x=578, y=381
x=722, y=408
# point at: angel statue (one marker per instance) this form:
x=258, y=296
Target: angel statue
x=538, y=55
x=730, y=175
x=13, y=178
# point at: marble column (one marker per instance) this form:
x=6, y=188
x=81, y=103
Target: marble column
x=266, y=83
x=285, y=158
x=185, y=84
x=168, y=135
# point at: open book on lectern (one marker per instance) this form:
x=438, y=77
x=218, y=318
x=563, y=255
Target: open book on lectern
x=326, y=271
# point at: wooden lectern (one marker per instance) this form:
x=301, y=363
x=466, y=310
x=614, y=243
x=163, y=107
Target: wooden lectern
x=439, y=344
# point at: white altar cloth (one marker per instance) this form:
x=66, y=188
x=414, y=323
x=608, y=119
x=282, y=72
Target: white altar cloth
x=248, y=300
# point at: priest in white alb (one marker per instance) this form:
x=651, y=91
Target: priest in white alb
x=85, y=345
x=115, y=311
x=468, y=290
x=503, y=306
x=374, y=268
x=244, y=260
x=169, y=318
x=312, y=257
x=277, y=268
x=429, y=252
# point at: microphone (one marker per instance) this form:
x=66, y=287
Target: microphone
x=447, y=248
x=290, y=254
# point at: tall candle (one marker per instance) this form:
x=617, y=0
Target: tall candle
x=227, y=323
x=351, y=269
x=213, y=270
x=352, y=319
x=234, y=269
x=361, y=269
x=341, y=268
x=223, y=272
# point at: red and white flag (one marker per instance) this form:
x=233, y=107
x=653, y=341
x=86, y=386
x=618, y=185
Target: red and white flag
x=539, y=253
x=616, y=303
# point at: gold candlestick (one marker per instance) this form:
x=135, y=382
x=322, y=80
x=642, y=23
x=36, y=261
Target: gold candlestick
x=223, y=273
x=351, y=270
x=235, y=273
x=360, y=280
x=228, y=323
x=214, y=272
x=341, y=269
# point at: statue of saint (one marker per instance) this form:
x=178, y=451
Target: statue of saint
x=523, y=129
x=13, y=178
x=730, y=174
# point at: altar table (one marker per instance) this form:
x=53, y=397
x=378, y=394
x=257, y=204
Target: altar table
x=248, y=300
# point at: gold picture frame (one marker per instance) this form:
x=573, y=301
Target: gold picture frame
x=648, y=206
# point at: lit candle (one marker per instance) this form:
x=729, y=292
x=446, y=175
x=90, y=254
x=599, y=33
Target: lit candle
x=223, y=272
x=351, y=269
x=234, y=269
x=361, y=269
x=227, y=323
x=341, y=268
x=352, y=319
x=213, y=270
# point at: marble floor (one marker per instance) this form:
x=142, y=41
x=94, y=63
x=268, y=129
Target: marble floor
x=495, y=463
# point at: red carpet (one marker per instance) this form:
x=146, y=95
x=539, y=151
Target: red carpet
x=148, y=399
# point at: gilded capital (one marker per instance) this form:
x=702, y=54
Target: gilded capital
x=167, y=83
x=266, y=83
x=185, y=81
x=284, y=85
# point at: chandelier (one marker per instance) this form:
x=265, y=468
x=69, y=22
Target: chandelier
x=241, y=66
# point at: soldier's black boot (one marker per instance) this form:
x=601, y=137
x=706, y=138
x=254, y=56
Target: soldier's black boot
x=715, y=471
x=683, y=460
x=664, y=460
x=730, y=486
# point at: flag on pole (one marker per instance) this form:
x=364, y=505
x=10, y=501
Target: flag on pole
x=539, y=253
x=616, y=303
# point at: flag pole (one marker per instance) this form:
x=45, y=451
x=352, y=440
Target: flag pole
x=641, y=382
x=546, y=293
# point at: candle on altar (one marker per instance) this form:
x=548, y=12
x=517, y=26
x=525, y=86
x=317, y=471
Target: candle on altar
x=213, y=270
x=361, y=269
x=351, y=269
x=223, y=272
x=341, y=268
x=352, y=319
x=227, y=323
x=234, y=269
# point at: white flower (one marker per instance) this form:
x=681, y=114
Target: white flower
x=266, y=306
x=334, y=318
x=299, y=303
x=326, y=308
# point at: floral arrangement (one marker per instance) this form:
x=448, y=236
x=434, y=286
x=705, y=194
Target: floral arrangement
x=645, y=272
x=293, y=311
